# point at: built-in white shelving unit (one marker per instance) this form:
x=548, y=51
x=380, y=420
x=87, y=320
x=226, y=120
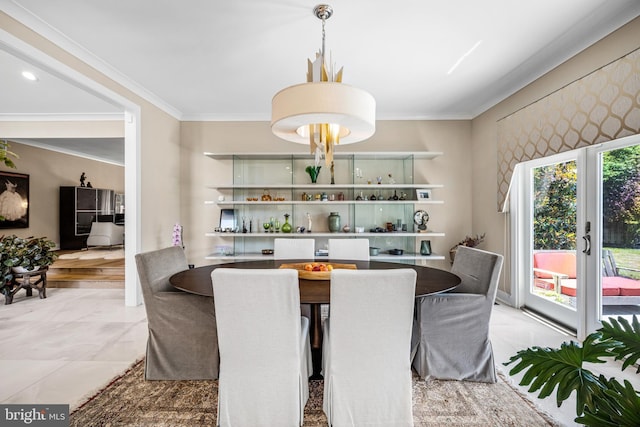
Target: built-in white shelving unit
x=371, y=191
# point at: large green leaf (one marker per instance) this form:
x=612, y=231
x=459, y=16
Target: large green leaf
x=561, y=369
x=604, y=402
x=627, y=335
x=616, y=406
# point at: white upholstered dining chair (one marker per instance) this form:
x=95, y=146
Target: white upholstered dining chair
x=290, y=248
x=366, y=350
x=183, y=340
x=451, y=330
x=354, y=249
x=265, y=354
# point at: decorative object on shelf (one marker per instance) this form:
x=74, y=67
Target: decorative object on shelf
x=391, y=180
x=334, y=222
x=346, y=228
x=341, y=196
x=286, y=227
x=470, y=241
x=323, y=99
x=425, y=247
x=266, y=196
x=309, y=222
x=379, y=179
x=244, y=224
x=89, y=185
x=423, y=194
x=313, y=172
x=267, y=252
x=373, y=251
x=324, y=197
x=266, y=226
x=83, y=177
x=396, y=251
x=333, y=178
x=31, y=253
x=420, y=218
x=176, y=237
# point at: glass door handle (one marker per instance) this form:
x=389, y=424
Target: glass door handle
x=587, y=244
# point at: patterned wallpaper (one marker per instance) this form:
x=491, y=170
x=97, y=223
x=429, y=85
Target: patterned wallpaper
x=600, y=107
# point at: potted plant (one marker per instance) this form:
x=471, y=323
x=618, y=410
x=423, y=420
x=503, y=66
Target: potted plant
x=470, y=241
x=600, y=401
x=25, y=254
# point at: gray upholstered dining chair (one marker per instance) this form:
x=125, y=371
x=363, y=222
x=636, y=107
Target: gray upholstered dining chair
x=265, y=353
x=354, y=249
x=451, y=330
x=366, y=348
x=183, y=341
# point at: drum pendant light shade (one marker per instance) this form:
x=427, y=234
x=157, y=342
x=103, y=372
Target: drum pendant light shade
x=295, y=107
x=323, y=112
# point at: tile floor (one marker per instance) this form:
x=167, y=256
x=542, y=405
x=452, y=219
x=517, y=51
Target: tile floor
x=64, y=348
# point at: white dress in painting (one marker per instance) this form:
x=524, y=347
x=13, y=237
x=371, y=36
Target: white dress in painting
x=11, y=207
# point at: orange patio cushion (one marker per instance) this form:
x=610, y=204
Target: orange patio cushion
x=556, y=261
x=568, y=287
x=628, y=287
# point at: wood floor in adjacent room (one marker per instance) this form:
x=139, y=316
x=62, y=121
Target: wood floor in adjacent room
x=95, y=273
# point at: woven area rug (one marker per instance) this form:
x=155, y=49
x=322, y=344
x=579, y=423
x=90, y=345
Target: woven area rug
x=129, y=400
x=117, y=253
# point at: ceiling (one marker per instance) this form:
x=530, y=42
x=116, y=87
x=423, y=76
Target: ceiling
x=213, y=60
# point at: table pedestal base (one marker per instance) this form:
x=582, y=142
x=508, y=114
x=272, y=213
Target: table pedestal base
x=316, y=341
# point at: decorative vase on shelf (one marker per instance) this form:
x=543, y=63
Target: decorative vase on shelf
x=334, y=222
x=313, y=172
x=286, y=227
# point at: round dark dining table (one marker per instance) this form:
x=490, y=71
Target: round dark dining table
x=315, y=292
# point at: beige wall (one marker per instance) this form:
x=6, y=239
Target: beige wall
x=48, y=170
x=484, y=131
x=453, y=169
x=159, y=161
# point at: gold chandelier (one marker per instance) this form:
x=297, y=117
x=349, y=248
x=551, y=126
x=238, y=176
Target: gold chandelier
x=323, y=112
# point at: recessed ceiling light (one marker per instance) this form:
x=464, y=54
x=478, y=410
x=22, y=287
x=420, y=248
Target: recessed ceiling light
x=29, y=76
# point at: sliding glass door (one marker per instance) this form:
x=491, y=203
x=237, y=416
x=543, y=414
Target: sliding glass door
x=576, y=228
x=549, y=240
x=613, y=216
